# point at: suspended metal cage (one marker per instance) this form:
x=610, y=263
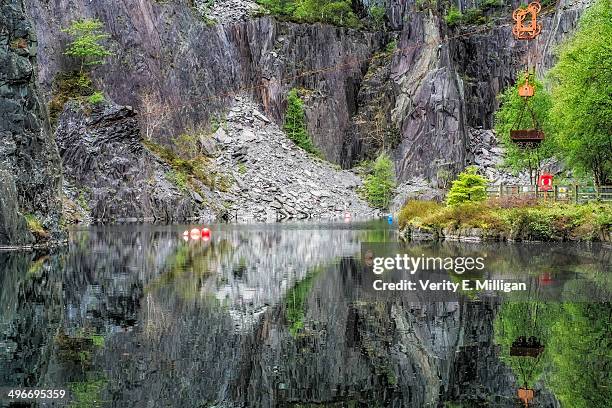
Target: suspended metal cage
x=526, y=347
x=530, y=137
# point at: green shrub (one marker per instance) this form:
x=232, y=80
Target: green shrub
x=465, y=215
x=339, y=12
x=468, y=187
x=391, y=46
x=520, y=220
x=490, y=4
x=96, y=98
x=377, y=13
x=67, y=86
x=473, y=16
x=186, y=145
x=453, y=16
x=295, y=123
x=35, y=226
x=178, y=178
x=183, y=170
x=87, y=394
x=414, y=210
x=380, y=183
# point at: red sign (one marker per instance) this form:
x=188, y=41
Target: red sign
x=545, y=182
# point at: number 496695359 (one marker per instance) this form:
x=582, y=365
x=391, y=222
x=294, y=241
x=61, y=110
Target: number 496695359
x=35, y=394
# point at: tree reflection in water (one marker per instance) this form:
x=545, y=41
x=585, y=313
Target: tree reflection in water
x=265, y=316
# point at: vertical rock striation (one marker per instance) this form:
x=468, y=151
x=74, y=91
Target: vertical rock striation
x=30, y=169
x=438, y=84
x=166, y=49
x=113, y=176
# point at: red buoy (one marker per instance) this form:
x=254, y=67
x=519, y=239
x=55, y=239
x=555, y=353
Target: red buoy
x=205, y=233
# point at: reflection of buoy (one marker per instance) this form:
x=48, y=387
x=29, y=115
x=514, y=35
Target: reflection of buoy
x=205, y=233
x=195, y=234
x=186, y=237
x=545, y=278
x=347, y=215
x=185, y=233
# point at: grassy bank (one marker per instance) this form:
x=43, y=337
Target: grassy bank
x=509, y=219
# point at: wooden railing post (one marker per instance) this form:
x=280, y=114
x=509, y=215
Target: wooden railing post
x=501, y=189
x=556, y=196
x=576, y=193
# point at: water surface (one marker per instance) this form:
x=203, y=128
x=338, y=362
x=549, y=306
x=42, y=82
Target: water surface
x=283, y=316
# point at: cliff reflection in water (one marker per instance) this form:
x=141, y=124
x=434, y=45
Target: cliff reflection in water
x=265, y=316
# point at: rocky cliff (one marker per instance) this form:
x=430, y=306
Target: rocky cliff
x=30, y=169
x=112, y=176
x=439, y=82
x=418, y=87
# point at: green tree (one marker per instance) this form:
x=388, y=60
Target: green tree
x=468, y=187
x=295, y=122
x=517, y=319
x=512, y=111
x=582, y=95
x=87, y=36
x=580, y=352
x=380, y=183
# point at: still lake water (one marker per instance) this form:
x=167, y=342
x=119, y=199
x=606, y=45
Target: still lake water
x=282, y=316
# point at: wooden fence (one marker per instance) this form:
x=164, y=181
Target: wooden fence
x=563, y=193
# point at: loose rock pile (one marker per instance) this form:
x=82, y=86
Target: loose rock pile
x=486, y=153
x=227, y=11
x=274, y=179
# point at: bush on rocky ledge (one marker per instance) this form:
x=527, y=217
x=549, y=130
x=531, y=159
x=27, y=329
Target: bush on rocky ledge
x=520, y=220
x=335, y=12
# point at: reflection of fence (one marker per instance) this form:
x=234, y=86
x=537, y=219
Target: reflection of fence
x=569, y=193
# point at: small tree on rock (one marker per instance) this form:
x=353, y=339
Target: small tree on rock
x=154, y=114
x=87, y=36
x=295, y=122
x=380, y=183
x=468, y=187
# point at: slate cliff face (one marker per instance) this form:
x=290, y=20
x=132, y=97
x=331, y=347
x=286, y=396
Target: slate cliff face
x=439, y=83
x=112, y=175
x=448, y=79
x=165, y=49
x=30, y=170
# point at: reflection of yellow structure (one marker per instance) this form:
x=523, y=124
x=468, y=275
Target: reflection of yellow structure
x=526, y=395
